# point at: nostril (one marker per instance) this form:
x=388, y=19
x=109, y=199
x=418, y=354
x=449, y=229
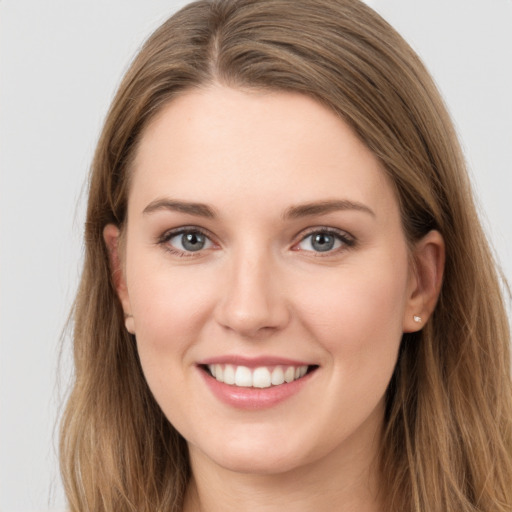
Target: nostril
x=253, y=322
x=252, y=304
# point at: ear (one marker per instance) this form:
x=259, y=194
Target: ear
x=425, y=280
x=111, y=235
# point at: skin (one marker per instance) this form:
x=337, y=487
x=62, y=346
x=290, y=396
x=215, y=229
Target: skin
x=259, y=287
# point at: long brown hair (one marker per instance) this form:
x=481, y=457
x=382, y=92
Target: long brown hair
x=447, y=441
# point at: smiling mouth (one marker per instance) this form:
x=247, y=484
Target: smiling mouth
x=260, y=377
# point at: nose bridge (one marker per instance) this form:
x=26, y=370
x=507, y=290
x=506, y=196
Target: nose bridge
x=253, y=300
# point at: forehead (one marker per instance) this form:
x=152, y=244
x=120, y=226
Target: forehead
x=222, y=143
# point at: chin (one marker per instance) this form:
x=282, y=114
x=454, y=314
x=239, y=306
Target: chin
x=260, y=456
x=258, y=464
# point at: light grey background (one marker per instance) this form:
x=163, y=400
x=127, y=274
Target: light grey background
x=60, y=62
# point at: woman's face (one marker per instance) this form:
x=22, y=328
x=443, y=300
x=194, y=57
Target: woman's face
x=264, y=241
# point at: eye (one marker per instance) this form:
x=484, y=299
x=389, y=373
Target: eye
x=186, y=241
x=324, y=240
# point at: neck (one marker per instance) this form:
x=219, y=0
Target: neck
x=345, y=480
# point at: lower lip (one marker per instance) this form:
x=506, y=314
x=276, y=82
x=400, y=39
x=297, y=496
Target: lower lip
x=254, y=398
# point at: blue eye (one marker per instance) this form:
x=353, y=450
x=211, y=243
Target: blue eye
x=189, y=241
x=324, y=241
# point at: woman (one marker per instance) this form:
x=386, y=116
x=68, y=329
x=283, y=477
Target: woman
x=287, y=298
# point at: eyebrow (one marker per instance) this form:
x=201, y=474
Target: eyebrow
x=197, y=209
x=324, y=207
x=294, y=212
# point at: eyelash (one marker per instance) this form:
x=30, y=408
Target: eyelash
x=169, y=235
x=347, y=240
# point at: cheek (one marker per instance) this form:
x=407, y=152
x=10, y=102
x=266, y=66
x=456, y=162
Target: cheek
x=169, y=313
x=357, y=319
x=169, y=307
x=357, y=314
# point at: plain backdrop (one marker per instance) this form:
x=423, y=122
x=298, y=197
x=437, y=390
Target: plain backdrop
x=60, y=63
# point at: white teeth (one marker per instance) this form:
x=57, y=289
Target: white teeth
x=243, y=377
x=229, y=374
x=261, y=377
x=219, y=373
x=289, y=374
x=277, y=376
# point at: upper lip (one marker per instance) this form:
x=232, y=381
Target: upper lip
x=253, y=362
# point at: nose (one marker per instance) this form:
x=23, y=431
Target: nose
x=253, y=302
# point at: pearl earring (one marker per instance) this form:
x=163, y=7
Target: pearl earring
x=128, y=323
x=417, y=319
